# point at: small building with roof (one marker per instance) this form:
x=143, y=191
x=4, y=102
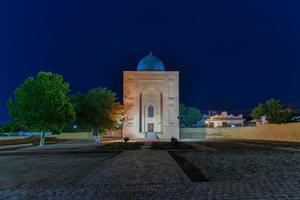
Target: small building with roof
x=151, y=101
x=225, y=120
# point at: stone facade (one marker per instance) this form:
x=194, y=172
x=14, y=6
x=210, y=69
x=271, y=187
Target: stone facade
x=151, y=103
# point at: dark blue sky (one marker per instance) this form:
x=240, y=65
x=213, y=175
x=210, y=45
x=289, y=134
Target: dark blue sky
x=231, y=54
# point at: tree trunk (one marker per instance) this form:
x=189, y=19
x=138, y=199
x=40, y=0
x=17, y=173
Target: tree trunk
x=96, y=137
x=42, y=140
x=93, y=135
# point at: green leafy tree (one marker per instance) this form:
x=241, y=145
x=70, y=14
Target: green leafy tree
x=182, y=109
x=277, y=112
x=182, y=113
x=4, y=128
x=11, y=127
x=97, y=110
x=192, y=116
x=42, y=104
x=274, y=110
x=259, y=111
x=189, y=115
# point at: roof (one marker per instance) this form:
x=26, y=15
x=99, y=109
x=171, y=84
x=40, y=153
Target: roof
x=225, y=116
x=150, y=63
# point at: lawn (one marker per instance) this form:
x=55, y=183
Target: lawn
x=33, y=140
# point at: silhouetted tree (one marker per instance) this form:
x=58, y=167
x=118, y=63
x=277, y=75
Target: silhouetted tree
x=98, y=110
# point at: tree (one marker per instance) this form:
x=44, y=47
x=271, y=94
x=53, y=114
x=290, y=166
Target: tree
x=258, y=111
x=192, y=116
x=274, y=110
x=42, y=104
x=10, y=127
x=189, y=115
x=117, y=115
x=277, y=112
x=182, y=109
x=97, y=109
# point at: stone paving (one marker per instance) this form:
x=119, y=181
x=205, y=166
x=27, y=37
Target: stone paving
x=209, y=190
x=148, y=174
x=236, y=161
x=139, y=167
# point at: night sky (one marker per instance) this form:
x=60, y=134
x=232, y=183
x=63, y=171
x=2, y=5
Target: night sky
x=231, y=54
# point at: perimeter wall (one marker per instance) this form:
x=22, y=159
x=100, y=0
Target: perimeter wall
x=282, y=132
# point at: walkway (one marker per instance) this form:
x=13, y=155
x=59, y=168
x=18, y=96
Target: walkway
x=139, y=167
x=151, y=174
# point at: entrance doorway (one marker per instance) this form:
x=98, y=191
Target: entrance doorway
x=150, y=127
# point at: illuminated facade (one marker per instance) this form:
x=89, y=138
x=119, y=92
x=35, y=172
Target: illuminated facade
x=151, y=101
x=225, y=120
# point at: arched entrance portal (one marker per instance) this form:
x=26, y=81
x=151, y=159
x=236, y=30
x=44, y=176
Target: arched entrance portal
x=150, y=111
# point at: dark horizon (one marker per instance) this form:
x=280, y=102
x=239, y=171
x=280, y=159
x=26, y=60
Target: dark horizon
x=231, y=55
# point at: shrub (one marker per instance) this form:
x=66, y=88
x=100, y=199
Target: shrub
x=126, y=139
x=174, y=141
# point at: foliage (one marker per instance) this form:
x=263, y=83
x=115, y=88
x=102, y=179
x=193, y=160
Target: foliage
x=75, y=129
x=97, y=109
x=174, y=141
x=2, y=129
x=274, y=110
x=259, y=111
x=42, y=103
x=34, y=140
x=189, y=115
x=126, y=139
x=182, y=109
x=117, y=115
x=10, y=127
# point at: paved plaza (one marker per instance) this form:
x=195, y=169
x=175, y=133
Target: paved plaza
x=235, y=169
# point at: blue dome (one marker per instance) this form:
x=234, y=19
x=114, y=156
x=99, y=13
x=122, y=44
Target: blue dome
x=150, y=63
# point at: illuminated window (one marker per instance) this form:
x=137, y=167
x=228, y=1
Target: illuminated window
x=150, y=111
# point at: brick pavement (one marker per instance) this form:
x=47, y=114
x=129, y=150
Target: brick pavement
x=206, y=190
x=138, y=167
x=148, y=174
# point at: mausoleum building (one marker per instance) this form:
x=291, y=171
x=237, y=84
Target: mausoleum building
x=151, y=101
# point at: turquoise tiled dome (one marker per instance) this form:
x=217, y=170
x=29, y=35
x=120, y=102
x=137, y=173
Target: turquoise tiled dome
x=150, y=63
